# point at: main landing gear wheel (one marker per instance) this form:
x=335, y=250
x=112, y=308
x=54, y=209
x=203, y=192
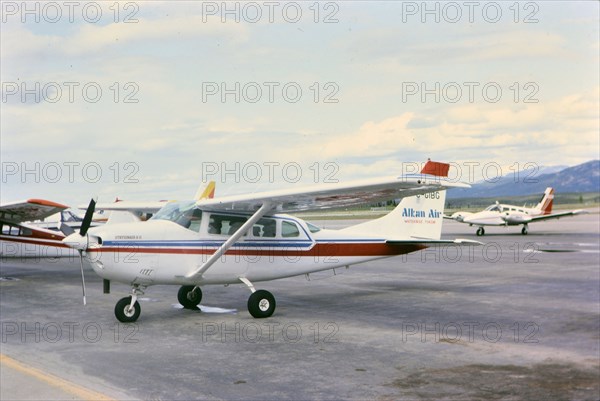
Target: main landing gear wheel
x=480, y=231
x=125, y=313
x=261, y=304
x=189, y=296
x=524, y=230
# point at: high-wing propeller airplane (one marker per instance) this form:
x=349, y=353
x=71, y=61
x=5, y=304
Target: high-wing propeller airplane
x=248, y=238
x=511, y=215
x=20, y=239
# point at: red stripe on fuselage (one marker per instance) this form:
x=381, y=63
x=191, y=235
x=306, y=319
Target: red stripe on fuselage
x=319, y=250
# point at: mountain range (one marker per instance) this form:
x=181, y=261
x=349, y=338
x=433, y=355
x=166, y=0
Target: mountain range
x=581, y=178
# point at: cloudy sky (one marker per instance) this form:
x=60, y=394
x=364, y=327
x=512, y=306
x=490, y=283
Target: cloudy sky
x=147, y=100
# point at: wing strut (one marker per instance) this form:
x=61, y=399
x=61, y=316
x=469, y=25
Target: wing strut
x=264, y=209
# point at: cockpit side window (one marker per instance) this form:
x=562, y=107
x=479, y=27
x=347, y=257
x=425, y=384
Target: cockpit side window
x=289, y=229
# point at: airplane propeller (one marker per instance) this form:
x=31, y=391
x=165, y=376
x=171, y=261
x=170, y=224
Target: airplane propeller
x=80, y=241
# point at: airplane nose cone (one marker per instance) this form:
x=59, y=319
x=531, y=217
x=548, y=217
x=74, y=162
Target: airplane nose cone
x=76, y=241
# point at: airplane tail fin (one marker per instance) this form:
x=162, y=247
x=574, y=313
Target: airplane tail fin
x=415, y=217
x=545, y=204
x=206, y=193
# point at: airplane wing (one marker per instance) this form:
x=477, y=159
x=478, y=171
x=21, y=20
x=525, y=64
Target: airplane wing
x=558, y=215
x=139, y=208
x=322, y=197
x=333, y=195
x=133, y=207
x=29, y=210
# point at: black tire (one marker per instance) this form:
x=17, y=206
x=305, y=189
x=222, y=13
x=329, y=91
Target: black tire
x=261, y=304
x=189, y=297
x=480, y=231
x=524, y=230
x=123, y=313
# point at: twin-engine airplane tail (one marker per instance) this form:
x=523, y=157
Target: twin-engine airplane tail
x=545, y=204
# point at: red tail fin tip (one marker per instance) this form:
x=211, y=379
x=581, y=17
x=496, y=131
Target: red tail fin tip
x=436, y=168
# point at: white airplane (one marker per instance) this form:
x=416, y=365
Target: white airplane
x=247, y=238
x=511, y=215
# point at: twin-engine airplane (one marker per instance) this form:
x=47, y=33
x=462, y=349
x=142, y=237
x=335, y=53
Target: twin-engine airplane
x=511, y=215
x=248, y=238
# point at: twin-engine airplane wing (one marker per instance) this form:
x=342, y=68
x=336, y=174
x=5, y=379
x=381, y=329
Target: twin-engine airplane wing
x=558, y=215
x=29, y=210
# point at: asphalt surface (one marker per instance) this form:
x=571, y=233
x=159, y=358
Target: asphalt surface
x=518, y=318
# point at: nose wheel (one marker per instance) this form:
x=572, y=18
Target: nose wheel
x=524, y=230
x=480, y=231
x=126, y=312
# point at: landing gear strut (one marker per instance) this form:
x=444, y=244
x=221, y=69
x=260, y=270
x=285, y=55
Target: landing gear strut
x=480, y=231
x=261, y=303
x=524, y=230
x=189, y=296
x=127, y=310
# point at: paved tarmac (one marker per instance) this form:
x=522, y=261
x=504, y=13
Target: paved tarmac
x=518, y=319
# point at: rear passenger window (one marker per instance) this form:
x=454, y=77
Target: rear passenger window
x=289, y=229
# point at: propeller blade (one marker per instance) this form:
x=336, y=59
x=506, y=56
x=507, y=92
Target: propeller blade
x=82, y=275
x=87, y=219
x=66, y=229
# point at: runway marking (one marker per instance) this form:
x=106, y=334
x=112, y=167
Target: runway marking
x=71, y=388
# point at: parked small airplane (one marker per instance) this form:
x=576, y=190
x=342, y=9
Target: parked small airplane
x=247, y=238
x=511, y=215
x=20, y=239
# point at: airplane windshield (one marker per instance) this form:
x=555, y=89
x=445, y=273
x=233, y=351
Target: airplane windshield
x=494, y=208
x=182, y=213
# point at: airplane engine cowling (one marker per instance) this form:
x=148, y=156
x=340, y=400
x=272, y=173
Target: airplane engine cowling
x=511, y=219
